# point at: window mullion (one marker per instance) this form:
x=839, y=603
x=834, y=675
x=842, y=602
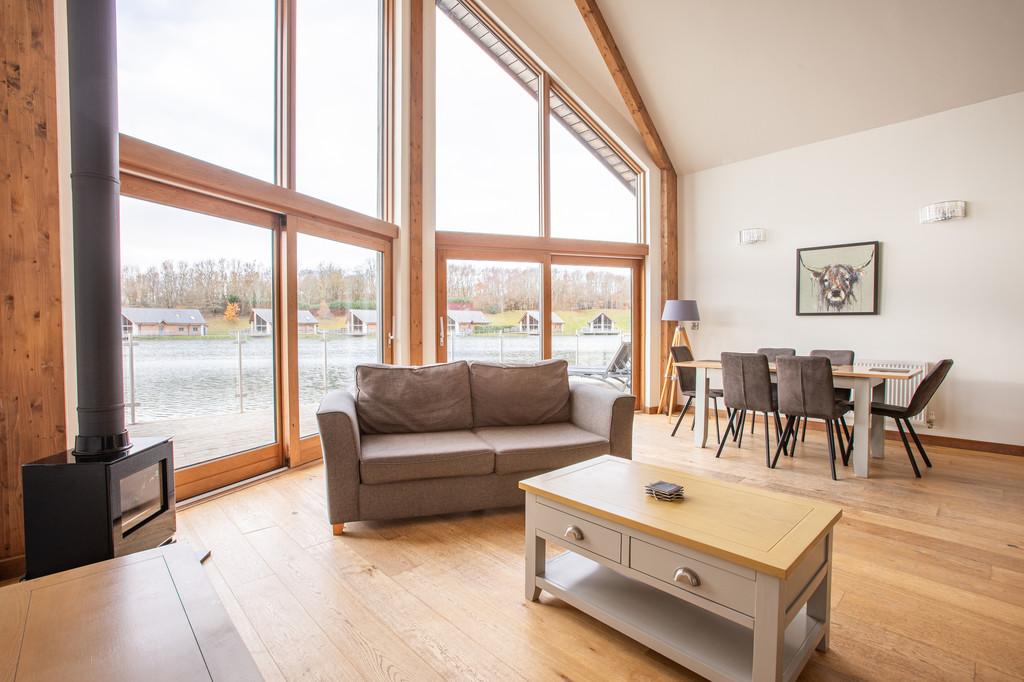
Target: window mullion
x=544, y=171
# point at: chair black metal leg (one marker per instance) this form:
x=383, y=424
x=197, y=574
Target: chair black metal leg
x=767, y=443
x=786, y=433
x=839, y=441
x=831, y=448
x=803, y=435
x=778, y=427
x=917, y=441
x=796, y=430
x=753, y=422
x=728, y=427
x=682, y=415
x=739, y=431
x=906, y=444
x=846, y=431
x=718, y=433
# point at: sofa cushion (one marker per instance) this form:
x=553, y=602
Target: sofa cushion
x=393, y=399
x=386, y=458
x=519, y=395
x=541, y=446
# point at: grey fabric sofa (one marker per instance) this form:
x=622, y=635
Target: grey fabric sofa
x=417, y=441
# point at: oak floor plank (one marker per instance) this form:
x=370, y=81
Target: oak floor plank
x=376, y=650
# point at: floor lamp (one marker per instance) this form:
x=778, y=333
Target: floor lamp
x=680, y=312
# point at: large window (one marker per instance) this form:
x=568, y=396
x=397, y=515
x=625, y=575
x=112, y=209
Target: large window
x=198, y=355
x=338, y=86
x=339, y=320
x=486, y=135
x=593, y=191
x=498, y=169
x=245, y=302
x=198, y=77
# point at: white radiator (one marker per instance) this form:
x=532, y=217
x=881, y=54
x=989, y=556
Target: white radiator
x=900, y=391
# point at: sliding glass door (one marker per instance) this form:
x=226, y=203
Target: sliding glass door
x=594, y=304
x=199, y=361
x=491, y=310
x=339, y=320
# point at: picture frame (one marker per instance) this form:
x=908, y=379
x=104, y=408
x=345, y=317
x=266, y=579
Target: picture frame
x=838, y=279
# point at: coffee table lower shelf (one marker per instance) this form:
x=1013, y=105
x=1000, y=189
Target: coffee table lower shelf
x=697, y=639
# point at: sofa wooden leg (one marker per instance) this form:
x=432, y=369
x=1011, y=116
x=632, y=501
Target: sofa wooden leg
x=338, y=528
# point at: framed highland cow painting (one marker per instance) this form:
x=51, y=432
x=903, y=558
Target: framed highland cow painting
x=837, y=280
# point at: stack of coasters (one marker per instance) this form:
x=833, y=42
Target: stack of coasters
x=664, y=491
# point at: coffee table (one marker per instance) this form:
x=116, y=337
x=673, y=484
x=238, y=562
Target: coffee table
x=732, y=582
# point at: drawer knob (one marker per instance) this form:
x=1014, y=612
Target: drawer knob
x=573, y=533
x=687, y=575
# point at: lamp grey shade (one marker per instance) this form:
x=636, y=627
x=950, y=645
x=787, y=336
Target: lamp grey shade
x=680, y=311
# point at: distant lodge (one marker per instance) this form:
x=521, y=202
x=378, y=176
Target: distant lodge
x=463, y=322
x=361, y=321
x=162, y=322
x=529, y=323
x=261, y=322
x=600, y=324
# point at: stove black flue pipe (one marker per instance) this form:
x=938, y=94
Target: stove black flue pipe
x=92, y=61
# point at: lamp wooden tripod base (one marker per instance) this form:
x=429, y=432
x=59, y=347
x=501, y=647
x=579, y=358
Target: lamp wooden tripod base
x=667, y=400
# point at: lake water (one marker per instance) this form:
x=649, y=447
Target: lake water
x=177, y=378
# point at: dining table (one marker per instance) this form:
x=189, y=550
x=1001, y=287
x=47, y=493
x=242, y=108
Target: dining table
x=867, y=384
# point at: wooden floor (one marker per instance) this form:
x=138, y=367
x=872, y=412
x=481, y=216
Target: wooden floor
x=928, y=584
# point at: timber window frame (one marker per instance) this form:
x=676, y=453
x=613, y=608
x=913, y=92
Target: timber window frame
x=161, y=175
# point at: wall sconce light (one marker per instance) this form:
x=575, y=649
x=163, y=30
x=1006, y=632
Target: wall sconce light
x=944, y=210
x=753, y=235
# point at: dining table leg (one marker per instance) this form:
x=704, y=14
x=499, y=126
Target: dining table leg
x=700, y=405
x=877, y=445
x=863, y=423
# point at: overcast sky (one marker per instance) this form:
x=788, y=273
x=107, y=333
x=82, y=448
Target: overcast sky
x=197, y=76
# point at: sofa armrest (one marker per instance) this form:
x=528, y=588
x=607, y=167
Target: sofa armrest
x=607, y=413
x=339, y=440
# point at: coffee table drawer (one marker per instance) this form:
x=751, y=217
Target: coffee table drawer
x=679, y=570
x=579, y=532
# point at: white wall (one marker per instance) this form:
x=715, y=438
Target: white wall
x=948, y=289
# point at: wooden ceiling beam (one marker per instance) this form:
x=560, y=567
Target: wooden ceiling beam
x=606, y=45
x=668, y=218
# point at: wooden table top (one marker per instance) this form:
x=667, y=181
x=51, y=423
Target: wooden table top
x=762, y=530
x=845, y=371
x=148, y=616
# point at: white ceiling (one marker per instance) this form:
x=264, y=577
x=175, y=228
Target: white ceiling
x=727, y=80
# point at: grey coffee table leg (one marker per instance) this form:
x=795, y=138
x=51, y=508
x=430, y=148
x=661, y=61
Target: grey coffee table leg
x=769, y=626
x=819, y=606
x=535, y=551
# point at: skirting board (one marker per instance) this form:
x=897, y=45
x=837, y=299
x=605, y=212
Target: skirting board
x=12, y=567
x=926, y=438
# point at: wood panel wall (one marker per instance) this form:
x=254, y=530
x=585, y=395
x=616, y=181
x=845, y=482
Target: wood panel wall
x=32, y=422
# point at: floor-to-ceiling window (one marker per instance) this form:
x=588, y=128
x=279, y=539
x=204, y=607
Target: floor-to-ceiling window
x=254, y=184
x=530, y=190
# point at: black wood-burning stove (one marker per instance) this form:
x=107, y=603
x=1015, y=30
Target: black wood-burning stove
x=80, y=512
x=107, y=497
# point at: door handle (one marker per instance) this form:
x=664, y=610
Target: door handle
x=440, y=329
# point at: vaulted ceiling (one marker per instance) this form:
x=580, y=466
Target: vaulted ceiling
x=727, y=80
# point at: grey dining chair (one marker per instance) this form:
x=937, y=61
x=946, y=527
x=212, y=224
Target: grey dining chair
x=922, y=396
x=806, y=391
x=836, y=357
x=687, y=379
x=771, y=354
x=747, y=385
